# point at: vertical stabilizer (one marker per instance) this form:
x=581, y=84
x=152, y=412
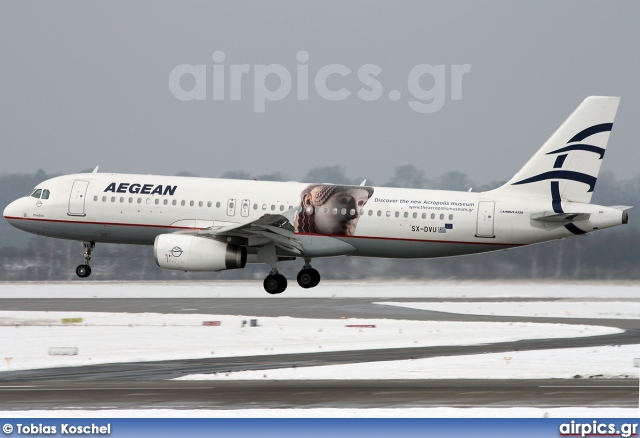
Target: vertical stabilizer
x=566, y=167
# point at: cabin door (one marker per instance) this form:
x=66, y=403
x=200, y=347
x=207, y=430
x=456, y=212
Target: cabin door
x=77, y=198
x=486, y=214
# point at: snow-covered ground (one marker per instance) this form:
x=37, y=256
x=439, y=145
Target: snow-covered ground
x=327, y=289
x=552, y=309
x=25, y=337
x=517, y=412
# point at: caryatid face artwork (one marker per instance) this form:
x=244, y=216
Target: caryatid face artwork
x=329, y=209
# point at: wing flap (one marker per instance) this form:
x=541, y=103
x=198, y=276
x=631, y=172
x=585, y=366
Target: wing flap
x=270, y=228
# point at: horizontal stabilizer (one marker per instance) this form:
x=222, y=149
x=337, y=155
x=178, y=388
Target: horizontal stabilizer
x=622, y=207
x=549, y=216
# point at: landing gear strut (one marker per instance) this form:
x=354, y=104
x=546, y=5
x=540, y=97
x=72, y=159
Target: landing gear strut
x=308, y=277
x=83, y=271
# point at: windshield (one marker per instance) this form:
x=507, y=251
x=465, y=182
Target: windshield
x=40, y=194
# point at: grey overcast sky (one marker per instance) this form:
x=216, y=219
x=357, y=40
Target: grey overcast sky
x=88, y=83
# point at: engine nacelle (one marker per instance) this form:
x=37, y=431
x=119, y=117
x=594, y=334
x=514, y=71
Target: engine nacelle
x=192, y=253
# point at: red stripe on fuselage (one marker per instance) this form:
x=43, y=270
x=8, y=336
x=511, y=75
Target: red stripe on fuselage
x=340, y=236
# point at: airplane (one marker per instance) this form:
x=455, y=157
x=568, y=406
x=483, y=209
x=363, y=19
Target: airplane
x=205, y=224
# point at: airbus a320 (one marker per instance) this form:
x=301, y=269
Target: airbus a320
x=202, y=224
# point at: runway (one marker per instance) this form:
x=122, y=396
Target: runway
x=147, y=385
x=318, y=394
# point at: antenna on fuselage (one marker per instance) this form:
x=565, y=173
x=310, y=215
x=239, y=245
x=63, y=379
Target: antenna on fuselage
x=95, y=170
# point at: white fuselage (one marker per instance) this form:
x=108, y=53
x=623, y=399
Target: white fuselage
x=397, y=223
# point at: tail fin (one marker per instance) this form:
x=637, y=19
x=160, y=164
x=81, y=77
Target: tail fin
x=566, y=167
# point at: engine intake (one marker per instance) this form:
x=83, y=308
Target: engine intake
x=193, y=253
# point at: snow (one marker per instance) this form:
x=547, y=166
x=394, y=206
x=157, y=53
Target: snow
x=516, y=412
x=25, y=337
x=544, y=309
x=327, y=289
x=126, y=337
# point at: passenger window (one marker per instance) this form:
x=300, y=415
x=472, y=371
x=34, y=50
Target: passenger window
x=388, y=214
x=424, y=215
x=174, y=202
x=343, y=212
x=113, y=199
x=433, y=215
x=415, y=215
x=104, y=199
x=406, y=214
x=166, y=202
x=139, y=200
x=362, y=212
x=308, y=210
x=121, y=200
x=217, y=205
x=282, y=208
x=182, y=203
x=441, y=216
x=200, y=204
x=450, y=217
x=326, y=210
x=334, y=211
x=264, y=206
x=45, y=194
x=397, y=214
x=352, y=212
x=191, y=204
x=379, y=213
x=157, y=201
x=95, y=198
x=209, y=204
x=273, y=207
x=255, y=206
x=36, y=193
x=130, y=200
x=370, y=213
x=148, y=201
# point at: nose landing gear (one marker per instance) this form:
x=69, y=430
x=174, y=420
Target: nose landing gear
x=84, y=271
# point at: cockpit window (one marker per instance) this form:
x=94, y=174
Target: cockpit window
x=36, y=193
x=45, y=194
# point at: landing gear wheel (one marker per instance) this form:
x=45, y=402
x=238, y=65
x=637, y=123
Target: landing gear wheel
x=83, y=271
x=275, y=283
x=308, y=278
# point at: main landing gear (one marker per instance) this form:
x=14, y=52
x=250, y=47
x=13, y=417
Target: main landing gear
x=276, y=283
x=83, y=271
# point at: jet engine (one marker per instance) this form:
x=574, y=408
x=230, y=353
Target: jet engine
x=193, y=253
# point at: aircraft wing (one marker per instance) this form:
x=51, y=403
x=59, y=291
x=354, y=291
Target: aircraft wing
x=270, y=228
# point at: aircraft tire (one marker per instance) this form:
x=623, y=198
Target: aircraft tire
x=308, y=278
x=83, y=271
x=275, y=284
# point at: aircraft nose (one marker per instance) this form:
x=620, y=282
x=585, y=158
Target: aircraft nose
x=11, y=211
